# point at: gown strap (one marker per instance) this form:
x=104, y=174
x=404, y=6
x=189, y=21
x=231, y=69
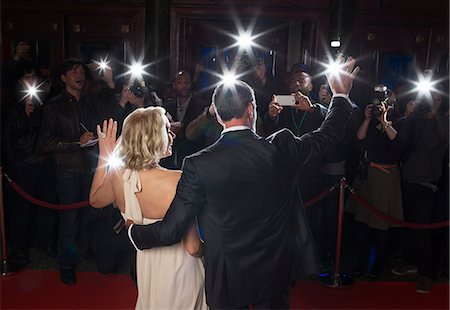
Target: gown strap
x=132, y=185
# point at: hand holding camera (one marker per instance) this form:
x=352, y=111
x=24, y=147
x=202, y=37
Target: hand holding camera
x=380, y=103
x=274, y=107
x=260, y=71
x=128, y=95
x=22, y=51
x=29, y=106
x=303, y=103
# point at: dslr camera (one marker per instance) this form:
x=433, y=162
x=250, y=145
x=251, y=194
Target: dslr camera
x=379, y=96
x=138, y=88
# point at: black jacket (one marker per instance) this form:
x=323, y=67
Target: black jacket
x=181, y=145
x=61, y=129
x=241, y=190
x=22, y=133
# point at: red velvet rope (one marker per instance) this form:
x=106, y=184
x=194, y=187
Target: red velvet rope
x=389, y=219
x=307, y=204
x=320, y=196
x=45, y=204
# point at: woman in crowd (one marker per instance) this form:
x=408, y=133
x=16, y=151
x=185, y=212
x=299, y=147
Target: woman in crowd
x=380, y=186
x=167, y=277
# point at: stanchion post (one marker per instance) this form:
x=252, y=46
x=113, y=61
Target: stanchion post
x=337, y=267
x=4, y=266
x=338, y=279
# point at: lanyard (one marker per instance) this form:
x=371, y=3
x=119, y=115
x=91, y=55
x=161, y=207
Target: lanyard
x=299, y=125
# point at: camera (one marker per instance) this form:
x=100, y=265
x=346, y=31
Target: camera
x=138, y=88
x=379, y=96
x=286, y=100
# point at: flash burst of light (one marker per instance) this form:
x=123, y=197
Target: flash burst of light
x=229, y=79
x=32, y=91
x=424, y=86
x=102, y=65
x=245, y=40
x=333, y=68
x=114, y=162
x=137, y=70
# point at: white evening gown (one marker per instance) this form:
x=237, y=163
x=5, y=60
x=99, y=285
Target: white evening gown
x=167, y=277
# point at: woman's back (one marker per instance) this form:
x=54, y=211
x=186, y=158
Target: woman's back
x=157, y=189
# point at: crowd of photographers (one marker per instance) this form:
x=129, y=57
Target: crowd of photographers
x=395, y=155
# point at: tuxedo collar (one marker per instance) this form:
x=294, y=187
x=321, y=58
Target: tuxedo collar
x=238, y=133
x=234, y=128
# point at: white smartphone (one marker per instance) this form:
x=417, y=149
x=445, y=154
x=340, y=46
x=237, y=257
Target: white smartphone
x=286, y=100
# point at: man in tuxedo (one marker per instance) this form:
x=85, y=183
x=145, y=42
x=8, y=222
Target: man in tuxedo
x=240, y=189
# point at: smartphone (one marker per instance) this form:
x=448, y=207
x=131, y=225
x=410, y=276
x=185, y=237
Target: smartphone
x=286, y=100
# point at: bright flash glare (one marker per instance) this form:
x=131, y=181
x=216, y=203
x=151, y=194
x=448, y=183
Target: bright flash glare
x=137, y=69
x=229, y=79
x=102, y=65
x=245, y=40
x=424, y=86
x=114, y=162
x=32, y=91
x=333, y=68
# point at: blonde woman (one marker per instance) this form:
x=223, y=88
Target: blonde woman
x=168, y=277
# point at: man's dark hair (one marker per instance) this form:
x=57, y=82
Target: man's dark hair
x=70, y=63
x=232, y=100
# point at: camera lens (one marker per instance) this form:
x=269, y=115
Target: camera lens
x=137, y=90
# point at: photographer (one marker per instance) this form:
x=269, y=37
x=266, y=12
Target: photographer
x=378, y=182
x=133, y=96
x=26, y=167
x=260, y=79
x=427, y=133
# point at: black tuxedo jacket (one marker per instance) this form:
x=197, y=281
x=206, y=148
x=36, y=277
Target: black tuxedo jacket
x=241, y=190
x=182, y=146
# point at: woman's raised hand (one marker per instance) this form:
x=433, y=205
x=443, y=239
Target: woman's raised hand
x=107, y=137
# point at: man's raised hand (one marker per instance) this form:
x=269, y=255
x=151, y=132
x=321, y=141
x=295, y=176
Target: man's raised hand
x=341, y=82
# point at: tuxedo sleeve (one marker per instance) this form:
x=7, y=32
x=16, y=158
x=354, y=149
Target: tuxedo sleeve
x=314, y=144
x=188, y=201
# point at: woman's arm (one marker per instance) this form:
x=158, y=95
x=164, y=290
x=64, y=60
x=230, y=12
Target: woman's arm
x=387, y=125
x=362, y=131
x=102, y=193
x=191, y=241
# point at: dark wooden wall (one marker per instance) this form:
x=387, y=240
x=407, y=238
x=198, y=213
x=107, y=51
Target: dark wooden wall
x=167, y=31
x=66, y=25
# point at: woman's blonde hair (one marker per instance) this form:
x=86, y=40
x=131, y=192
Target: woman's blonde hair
x=144, y=138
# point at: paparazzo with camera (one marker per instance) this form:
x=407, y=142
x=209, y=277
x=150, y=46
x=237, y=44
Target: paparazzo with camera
x=134, y=95
x=379, y=180
x=425, y=162
x=27, y=168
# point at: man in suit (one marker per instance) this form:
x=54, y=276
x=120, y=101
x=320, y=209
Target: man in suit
x=240, y=190
x=183, y=109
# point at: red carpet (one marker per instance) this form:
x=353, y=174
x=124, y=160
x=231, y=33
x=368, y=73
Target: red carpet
x=41, y=289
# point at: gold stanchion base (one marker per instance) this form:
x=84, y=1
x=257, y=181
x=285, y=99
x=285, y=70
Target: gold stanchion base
x=337, y=280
